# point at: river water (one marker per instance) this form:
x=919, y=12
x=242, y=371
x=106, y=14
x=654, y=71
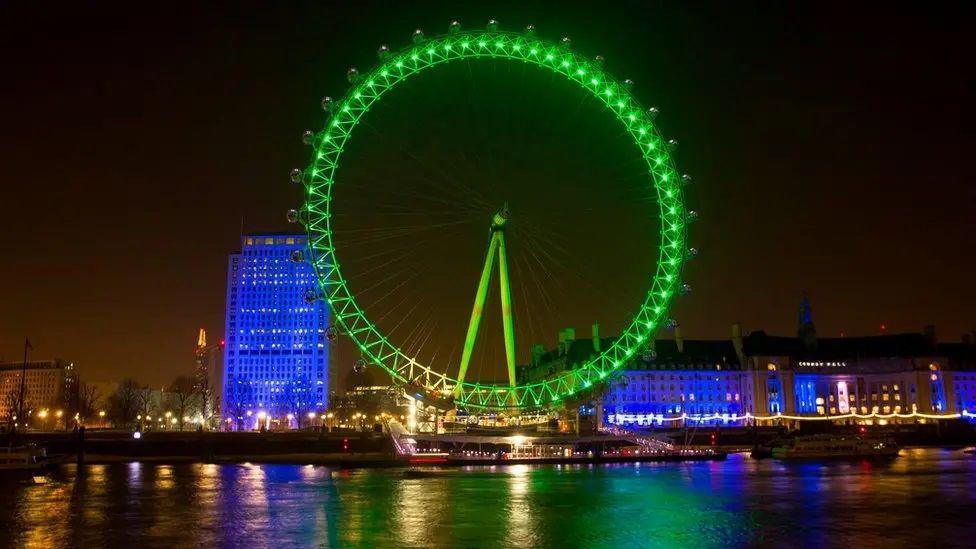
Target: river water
x=924, y=498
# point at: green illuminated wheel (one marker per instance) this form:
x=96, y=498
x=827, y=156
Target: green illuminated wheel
x=318, y=209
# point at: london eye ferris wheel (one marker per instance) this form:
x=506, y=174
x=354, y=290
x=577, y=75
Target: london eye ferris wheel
x=387, y=300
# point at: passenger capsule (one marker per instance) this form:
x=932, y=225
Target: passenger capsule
x=685, y=289
x=296, y=176
x=652, y=112
x=310, y=295
x=327, y=103
x=418, y=36
x=599, y=59
x=530, y=30
x=492, y=24
x=352, y=75
x=297, y=256
x=671, y=324
x=331, y=333
x=454, y=27
x=686, y=179
x=292, y=216
x=692, y=253
x=308, y=136
x=691, y=216
x=672, y=144
x=360, y=366
x=383, y=52
x=629, y=83
x=565, y=42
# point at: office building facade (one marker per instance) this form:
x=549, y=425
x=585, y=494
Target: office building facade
x=276, y=354
x=48, y=384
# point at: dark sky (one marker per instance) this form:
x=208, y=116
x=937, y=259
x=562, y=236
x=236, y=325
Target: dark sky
x=831, y=145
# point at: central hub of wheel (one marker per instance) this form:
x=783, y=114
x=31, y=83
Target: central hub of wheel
x=500, y=218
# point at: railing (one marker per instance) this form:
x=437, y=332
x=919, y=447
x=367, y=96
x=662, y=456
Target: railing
x=642, y=439
x=402, y=442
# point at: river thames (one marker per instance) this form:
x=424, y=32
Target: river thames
x=924, y=498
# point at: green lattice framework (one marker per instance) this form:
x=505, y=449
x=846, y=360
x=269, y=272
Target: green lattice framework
x=397, y=67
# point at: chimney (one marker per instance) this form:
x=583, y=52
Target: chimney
x=737, y=339
x=678, y=340
x=537, y=351
x=566, y=337
x=596, y=338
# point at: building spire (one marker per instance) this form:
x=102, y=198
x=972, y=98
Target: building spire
x=805, y=330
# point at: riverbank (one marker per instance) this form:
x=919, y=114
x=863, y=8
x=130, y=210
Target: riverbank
x=372, y=449
x=921, y=499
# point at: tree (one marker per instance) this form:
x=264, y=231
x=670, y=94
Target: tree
x=204, y=401
x=88, y=395
x=295, y=398
x=239, y=395
x=183, y=397
x=124, y=403
x=145, y=403
x=10, y=401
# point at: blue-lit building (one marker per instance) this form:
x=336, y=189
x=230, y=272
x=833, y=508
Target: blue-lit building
x=762, y=378
x=276, y=358
x=696, y=378
x=897, y=378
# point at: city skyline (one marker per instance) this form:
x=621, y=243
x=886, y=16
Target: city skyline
x=860, y=200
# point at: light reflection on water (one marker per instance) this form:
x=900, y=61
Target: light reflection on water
x=921, y=498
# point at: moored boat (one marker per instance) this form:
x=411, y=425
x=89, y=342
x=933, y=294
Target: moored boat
x=22, y=459
x=835, y=447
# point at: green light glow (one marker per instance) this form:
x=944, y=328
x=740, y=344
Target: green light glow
x=560, y=60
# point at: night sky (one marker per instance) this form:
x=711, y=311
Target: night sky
x=831, y=146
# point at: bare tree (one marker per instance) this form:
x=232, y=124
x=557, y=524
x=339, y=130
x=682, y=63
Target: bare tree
x=183, y=397
x=295, y=398
x=9, y=404
x=238, y=397
x=124, y=403
x=145, y=404
x=204, y=399
x=88, y=395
